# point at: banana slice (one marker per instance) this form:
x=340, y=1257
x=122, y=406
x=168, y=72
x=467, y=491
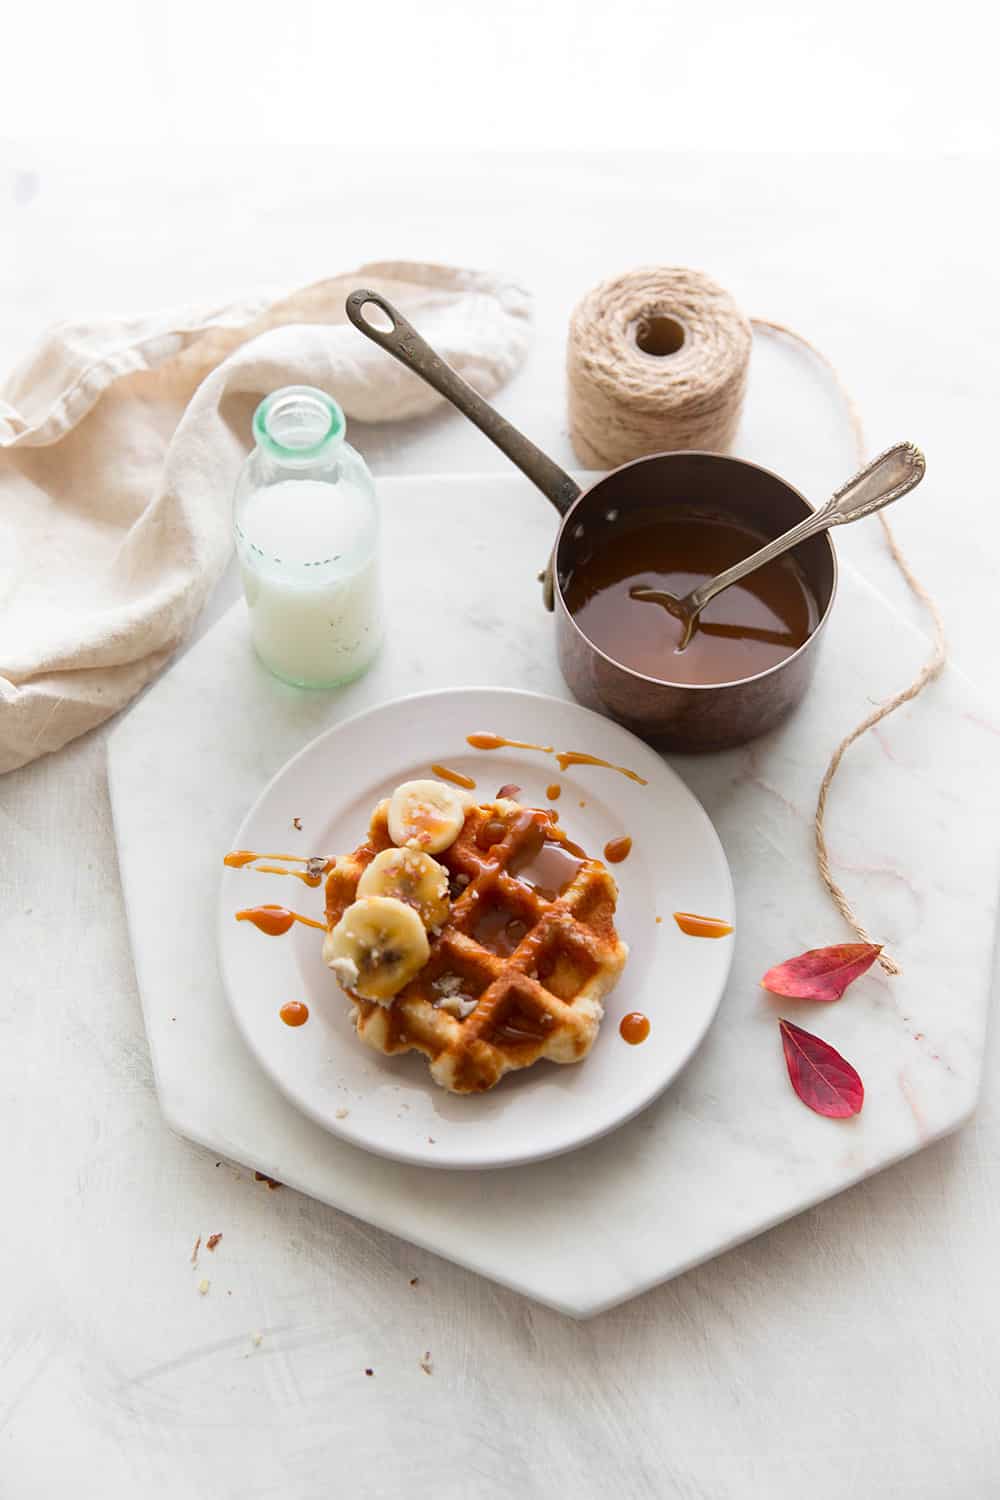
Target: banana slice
x=425, y=815
x=411, y=876
x=383, y=940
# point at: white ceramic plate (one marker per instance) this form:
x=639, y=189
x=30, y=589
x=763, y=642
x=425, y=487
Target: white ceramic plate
x=390, y=1105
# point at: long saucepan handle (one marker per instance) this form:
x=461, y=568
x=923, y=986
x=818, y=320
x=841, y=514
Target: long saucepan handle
x=404, y=343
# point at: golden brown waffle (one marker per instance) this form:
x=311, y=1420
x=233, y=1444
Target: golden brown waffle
x=520, y=969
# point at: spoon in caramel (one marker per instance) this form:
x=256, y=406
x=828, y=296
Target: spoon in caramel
x=885, y=479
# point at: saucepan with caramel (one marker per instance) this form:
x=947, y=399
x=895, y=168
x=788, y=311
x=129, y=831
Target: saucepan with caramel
x=641, y=538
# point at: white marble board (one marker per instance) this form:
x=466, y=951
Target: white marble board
x=728, y=1150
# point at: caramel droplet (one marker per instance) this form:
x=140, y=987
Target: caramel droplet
x=634, y=1028
x=615, y=850
x=294, y=1013
x=553, y=791
x=705, y=927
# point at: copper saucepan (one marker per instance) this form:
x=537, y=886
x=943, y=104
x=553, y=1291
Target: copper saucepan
x=676, y=716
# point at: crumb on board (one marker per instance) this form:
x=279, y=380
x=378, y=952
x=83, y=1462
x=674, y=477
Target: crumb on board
x=213, y=1240
x=414, y=1280
x=272, y=1182
x=341, y=1113
x=255, y=1339
x=431, y=1141
x=297, y=824
x=369, y=1371
x=659, y=919
x=426, y=1364
x=203, y=1286
x=194, y=1252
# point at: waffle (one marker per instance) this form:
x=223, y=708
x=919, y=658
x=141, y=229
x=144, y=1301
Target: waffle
x=520, y=969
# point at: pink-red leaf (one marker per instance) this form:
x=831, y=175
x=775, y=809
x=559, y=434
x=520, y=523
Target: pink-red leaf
x=509, y=789
x=822, y=973
x=820, y=1076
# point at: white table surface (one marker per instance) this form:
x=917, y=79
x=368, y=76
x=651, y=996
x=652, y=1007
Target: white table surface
x=851, y=1350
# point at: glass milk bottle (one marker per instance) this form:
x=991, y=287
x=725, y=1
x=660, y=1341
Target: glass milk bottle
x=307, y=532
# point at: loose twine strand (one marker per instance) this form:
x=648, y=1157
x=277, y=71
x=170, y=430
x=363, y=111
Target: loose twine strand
x=931, y=668
x=624, y=402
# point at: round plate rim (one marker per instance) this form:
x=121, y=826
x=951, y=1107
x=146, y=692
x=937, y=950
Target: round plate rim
x=472, y=1163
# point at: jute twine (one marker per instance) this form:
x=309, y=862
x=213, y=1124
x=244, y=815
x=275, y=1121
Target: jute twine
x=625, y=403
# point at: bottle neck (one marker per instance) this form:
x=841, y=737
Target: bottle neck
x=299, y=426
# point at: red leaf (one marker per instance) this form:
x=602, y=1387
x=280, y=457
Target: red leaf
x=822, y=973
x=509, y=789
x=820, y=1076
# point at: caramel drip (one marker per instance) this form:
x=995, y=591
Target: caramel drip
x=312, y=875
x=275, y=920
x=578, y=758
x=294, y=1013
x=240, y=857
x=615, y=850
x=497, y=742
x=634, y=1028
x=445, y=773
x=704, y=927
x=307, y=879
x=553, y=791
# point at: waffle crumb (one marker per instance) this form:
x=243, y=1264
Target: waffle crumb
x=341, y=1113
x=297, y=824
x=255, y=1339
x=203, y=1286
x=425, y=1363
x=414, y=1280
x=212, y=1241
x=194, y=1252
x=272, y=1182
x=369, y=1371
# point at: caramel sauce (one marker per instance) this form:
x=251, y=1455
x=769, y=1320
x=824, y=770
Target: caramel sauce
x=294, y=1013
x=547, y=868
x=307, y=878
x=275, y=920
x=746, y=629
x=553, y=791
x=497, y=742
x=634, y=1028
x=312, y=875
x=578, y=758
x=445, y=773
x=519, y=1025
x=491, y=833
x=615, y=850
x=567, y=843
x=705, y=927
x=499, y=930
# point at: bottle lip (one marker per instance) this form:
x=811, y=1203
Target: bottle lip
x=329, y=422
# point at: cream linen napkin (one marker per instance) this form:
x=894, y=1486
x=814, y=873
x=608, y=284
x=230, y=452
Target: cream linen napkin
x=120, y=444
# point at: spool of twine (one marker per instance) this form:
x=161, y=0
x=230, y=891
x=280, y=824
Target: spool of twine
x=628, y=399
x=657, y=360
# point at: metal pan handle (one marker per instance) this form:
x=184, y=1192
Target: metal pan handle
x=404, y=343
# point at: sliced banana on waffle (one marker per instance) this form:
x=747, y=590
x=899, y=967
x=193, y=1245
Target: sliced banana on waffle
x=426, y=815
x=377, y=947
x=411, y=876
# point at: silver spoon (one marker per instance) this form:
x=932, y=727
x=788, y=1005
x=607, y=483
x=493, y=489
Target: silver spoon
x=887, y=477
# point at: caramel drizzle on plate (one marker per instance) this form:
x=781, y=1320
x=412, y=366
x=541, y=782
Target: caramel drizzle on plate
x=702, y=927
x=275, y=920
x=447, y=774
x=579, y=758
x=312, y=875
